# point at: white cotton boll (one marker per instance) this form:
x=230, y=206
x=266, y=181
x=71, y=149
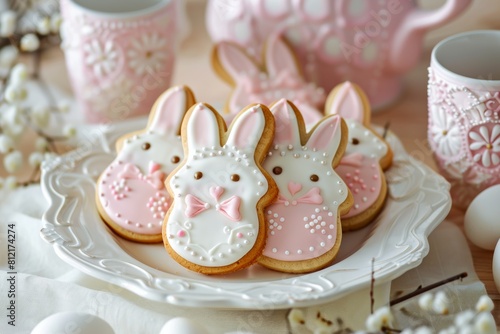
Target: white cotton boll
x=40, y=116
x=35, y=159
x=15, y=93
x=13, y=161
x=296, y=318
x=55, y=22
x=485, y=324
x=69, y=131
x=373, y=323
x=449, y=330
x=8, y=55
x=12, y=121
x=385, y=314
x=425, y=301
x=441, y=303
x=467, y=330
x=10, y=182
x=41, y=144
x=484, y=304
x=6, y=144
x=464, y=318
x=30, y=42
x=43, y=26
x=19, y=74
x=7, y=23
x=423, y=330
x=63, y=107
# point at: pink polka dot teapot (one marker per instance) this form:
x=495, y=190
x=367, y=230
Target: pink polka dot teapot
x=369, y=42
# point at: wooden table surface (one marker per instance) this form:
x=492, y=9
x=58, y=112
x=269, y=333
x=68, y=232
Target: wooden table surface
x=408, y=116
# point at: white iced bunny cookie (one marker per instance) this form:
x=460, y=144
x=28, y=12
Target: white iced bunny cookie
x=276, y=76
x=131, y=195
x=216, y=224
x=304, y=223
x=366, y=157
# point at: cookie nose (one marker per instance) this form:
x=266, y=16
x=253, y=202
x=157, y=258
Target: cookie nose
x=294, y=188
x=153, y=167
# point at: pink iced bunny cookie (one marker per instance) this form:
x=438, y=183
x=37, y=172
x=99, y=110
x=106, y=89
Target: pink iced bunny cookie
x=366, y=156
x=278, y=77
x=131, y=195
x=304, y=223
x=216, y=224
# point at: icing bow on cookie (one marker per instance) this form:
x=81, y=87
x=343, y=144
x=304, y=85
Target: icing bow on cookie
x=229, y=207
x=155, y=177
x=313, y=196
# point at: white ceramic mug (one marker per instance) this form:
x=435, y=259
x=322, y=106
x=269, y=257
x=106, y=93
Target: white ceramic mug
x=464, y=112
x=119, y=54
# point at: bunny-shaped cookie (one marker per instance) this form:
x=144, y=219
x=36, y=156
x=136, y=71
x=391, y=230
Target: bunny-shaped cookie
x=131, y=195
x=366, y=156
x=216, y=224
x=304, y=223
x=278, y=77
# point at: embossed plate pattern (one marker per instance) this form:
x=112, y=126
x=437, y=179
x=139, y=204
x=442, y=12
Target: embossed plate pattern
x=418, y=201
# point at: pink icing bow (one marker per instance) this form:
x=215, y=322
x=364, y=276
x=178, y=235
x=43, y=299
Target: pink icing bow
x=313, y=196
x=353, y=159
x=229, y=207
x=155, y=177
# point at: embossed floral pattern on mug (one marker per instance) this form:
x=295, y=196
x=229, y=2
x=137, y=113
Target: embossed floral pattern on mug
x=464, y=134
x=119, y=63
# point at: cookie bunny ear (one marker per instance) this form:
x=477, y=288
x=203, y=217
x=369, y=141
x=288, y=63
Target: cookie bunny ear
x=202, y=128
x=248, y=127
x=169, y=110
x=278, y=57
x=326, y=136
x=287, y=123
x=233, y=62
x=350, y=102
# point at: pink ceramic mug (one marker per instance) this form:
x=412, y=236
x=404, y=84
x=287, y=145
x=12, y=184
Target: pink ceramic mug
x=464, y=112
x=372, y=43
x=119, y=54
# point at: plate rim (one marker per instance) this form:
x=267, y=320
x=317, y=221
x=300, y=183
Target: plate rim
x=103, y=142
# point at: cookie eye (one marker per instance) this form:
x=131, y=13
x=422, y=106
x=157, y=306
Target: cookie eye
x=235, y=177
x=146, y=146
x=198, y=175
x=277, y=170
x=175, y=159
x=355, y=141
x=314, y=178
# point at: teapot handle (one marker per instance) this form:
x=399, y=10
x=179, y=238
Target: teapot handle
x=407, y=43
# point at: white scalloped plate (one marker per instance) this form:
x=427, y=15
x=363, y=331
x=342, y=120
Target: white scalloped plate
x=418, y=201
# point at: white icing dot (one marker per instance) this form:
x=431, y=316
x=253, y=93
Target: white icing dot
x=306, y=225
x=272, y=233
x=318, y=227
x=138, y=225
x=287, y=252
x=299, y=252
x=317, y=210
x=269, y=212
x=274, y=250
x=323, y=232
x=330, y=237
x=331, y=226
x=212, y=259
x=150, y=225
x=201, y=258
x=250, y=234
x=322, y=244
x=313, y=216
x=221, y=255
x=311, y=224
x=323, y=223
x=325, y=208
x=311, y=249
x=279, y=228
x=275, y=215
x=238, y=246
x=330, y=214
x=311, y=230
x=306, y=219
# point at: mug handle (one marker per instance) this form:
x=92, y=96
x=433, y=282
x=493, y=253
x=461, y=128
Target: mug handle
x=407, y=45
